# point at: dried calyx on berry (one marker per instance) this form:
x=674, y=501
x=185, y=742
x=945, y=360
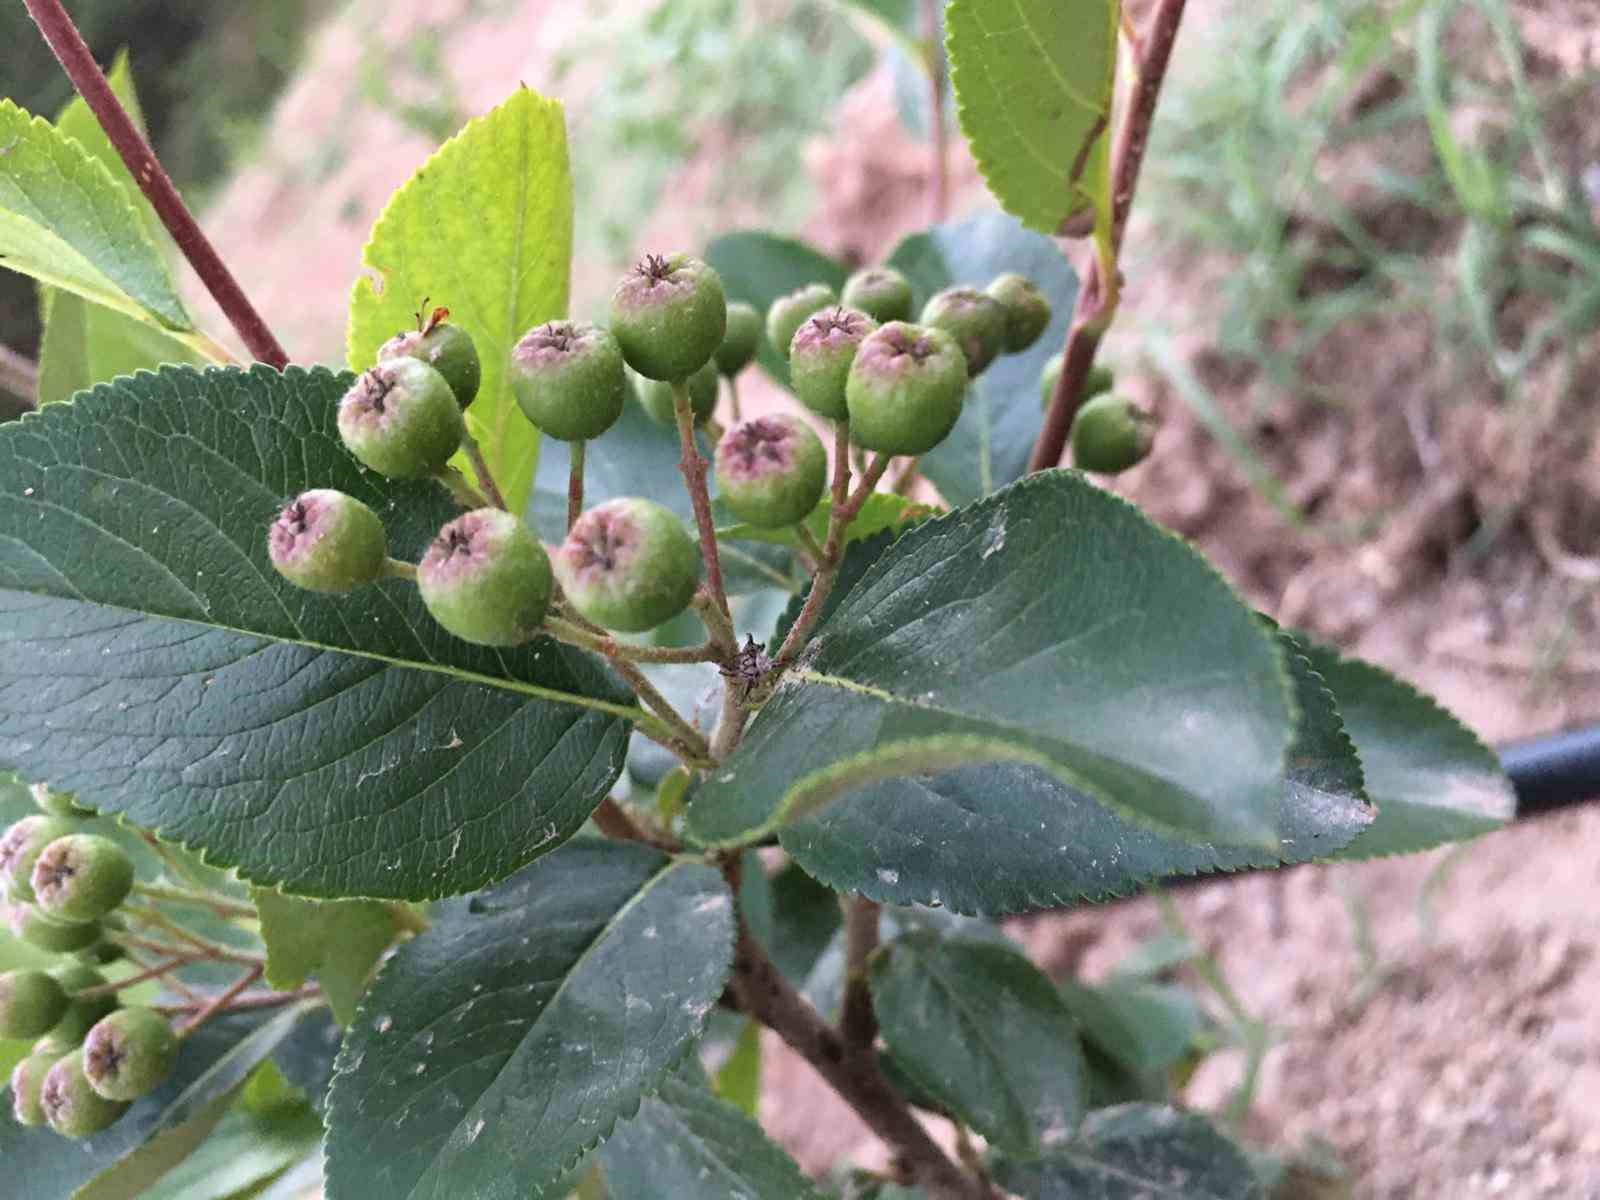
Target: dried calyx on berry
x=326, y=541
x=1111, y=434
x=447, y=348
x=82, y=877
x=628, y=564
x=905, y=389
x=881, y=292
x=31, y=1003
x=741, y=339
x=669, y=315
x=71, y=1106
x=401, y=419
x=656, y=396
x=787, y=313
x=569, y=379
x=975, y=320
x=820, y=356
x=486, y=579
x=20, y=848
x=129, y=1053
x=1027, y=310
x=771, y=470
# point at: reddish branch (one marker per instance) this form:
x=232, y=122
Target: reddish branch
x=1096, y=298
x=19, y=375
x=147, y=172
x=693, y=468
x=939, y=197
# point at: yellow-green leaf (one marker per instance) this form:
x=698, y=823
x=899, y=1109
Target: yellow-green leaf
x=483, y=228
x=338, y=941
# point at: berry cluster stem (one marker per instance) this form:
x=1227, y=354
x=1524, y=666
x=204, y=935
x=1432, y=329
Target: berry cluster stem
x=154, y=919
x=219, y=1002
x=176, y=895
x=1097, y=299
x=694, y=478
x=575, y=453
x=75, y=58
x=601, y=643
x=461, y=490
x=939, y=193
x=155, y=972
x=480, y=468
x=858, y=1023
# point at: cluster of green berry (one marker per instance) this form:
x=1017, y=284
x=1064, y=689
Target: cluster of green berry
x=1109, y=433
x=91, y=1058
x=630, y=564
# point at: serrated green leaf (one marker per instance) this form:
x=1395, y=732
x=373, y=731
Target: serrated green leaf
x=1050, y=625
x=504, y=1042
x=982, y=1031
x=882, y=510
x=1033, y=84
x=1141, y=1026
x=338, y=941
x=1000, y=421
x=152, y=661
x=158, y=1131
x=758, y=267
x=484, y=227
x=1138, y=1152
x=999, y=839
x=1429, y=776
x=66, y=222
x=85, y=344
x=687, y=1144
x=245, y=1152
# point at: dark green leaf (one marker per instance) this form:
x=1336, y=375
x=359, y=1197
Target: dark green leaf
x=305, y=1058
x=688, y=1145
x=805, y=915
x=338, y=941
x=1003, y=838
x=1050, y=625
x=152, y=661
x=982, y=1031
x=1143, y=1026
x=1429, y=776
x=991, y=442
x=759, y=267
x=246, y=1151
x=1138, y=1152
x=497, y=1047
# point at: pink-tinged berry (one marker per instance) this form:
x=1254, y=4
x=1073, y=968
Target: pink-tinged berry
x=448, y=349
x=741, y=340
x=1027, y=310
x=486, y=579
x=669, y=315
x=401, y=419
x=628, y=564
x=31, y=1003
x=569, y=379
x=1111, y=434
x=30, y=925
x=655, y=396
x=771, y=470
x=71, y=1106
x=975, y=320
x=820, y=355
x=82, y=877
x=326, y=541
x=787, y=313
x=20, y=848
x=905, y=390
x=27, y=1084
x=129, y=1054
x=881, y=292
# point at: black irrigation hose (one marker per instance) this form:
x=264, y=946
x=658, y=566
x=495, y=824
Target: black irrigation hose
x=1555, y=772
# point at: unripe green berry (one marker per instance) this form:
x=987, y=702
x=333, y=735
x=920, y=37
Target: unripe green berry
x=83, y=1012
x=27, y=1084
x=771, y=470
x=20, y=848
x=975, y=320
x=129, y=1054
x=669, y=315
x=46, y=933
x=655, y=396
x=569, y=379
x=82, y=877
x=628, y=564
x=820, y=356
x=101, y=953
x=881, y=292
x=741, y=340
x=448, y=349
x=1027, y=310
x=326, y=541
x=73, y=1108
x=905, y=389
x=58, y=804
x=1100, y=379
x=31, y=1003
x=486, y=579
x=1111, y=434
x=401, y=419
x=788, y=313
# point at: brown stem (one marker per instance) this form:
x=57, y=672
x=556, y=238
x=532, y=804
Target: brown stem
x=939, y=196
x=763, y=993
x=155, y=972
x=220, y=1001
x=858, y=1024
x=480, y=468
x=1097, y=296
x=612, y=820
x=733, y=398
x=244, y=1001
x=574, y=482
x=147, y=172
x=19, y=375
x=694, y=478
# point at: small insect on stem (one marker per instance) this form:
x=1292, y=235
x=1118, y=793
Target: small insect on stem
x=748, y=668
